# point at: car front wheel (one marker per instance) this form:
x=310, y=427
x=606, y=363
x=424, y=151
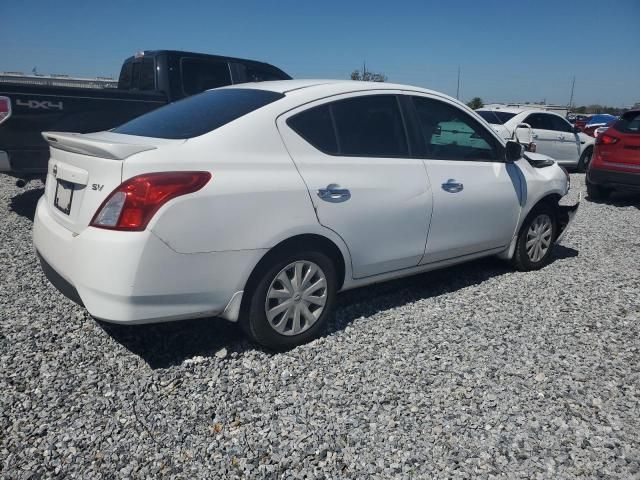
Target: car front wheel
x=291, y=300
x=535, y=240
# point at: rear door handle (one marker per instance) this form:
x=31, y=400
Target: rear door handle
x=452, y=186
x=334, y=193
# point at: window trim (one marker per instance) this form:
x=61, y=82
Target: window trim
x=205, y=60
x=497, y=145
x=348, y=96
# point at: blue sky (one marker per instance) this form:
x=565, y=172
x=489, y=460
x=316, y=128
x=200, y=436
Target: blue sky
x=507, y=50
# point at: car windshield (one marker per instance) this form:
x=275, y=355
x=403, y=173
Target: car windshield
x=495, y=117
x=199, y=114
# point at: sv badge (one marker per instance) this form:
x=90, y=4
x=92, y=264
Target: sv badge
x=97, y=186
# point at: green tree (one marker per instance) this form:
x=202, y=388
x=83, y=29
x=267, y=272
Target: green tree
x=475, y=103
x=367, y=76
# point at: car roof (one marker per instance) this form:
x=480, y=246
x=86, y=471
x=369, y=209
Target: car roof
x=337, y=86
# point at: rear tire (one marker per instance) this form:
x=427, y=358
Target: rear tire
x=291, y=300
x=535, y=239
x=597, y=192
x=585, y=160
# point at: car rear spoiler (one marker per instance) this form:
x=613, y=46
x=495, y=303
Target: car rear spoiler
x=94, y=145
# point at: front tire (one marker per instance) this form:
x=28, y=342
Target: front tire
x=291, y=300
x=535, y=240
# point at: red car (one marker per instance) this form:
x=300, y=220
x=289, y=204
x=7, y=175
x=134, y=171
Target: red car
x=616, y=158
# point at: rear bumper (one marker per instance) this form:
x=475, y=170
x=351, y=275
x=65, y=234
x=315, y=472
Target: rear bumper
x=134, y=277
x=614, y=179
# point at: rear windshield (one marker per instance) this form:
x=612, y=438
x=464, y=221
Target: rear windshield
x=496, y=118
x=628, y=123
x=199, y=114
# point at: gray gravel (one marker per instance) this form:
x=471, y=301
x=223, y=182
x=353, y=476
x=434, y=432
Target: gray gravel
x=472, y=372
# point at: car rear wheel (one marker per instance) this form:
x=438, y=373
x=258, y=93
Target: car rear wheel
x=597, y=192
x=291, y=300
x=535, y=240
x=585, y=160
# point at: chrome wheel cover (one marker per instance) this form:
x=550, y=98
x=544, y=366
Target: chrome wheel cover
x=538, y=241
x=296, y=298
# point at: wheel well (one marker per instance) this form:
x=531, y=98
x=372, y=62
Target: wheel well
x=307, y=241
x=550, y=200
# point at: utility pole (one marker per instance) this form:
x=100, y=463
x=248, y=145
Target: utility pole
x=573, y=84
x=458, y=89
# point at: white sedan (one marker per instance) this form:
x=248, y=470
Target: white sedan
x=552, y=134
x=257, y=203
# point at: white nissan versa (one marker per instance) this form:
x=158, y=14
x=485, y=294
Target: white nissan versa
x=258, y=202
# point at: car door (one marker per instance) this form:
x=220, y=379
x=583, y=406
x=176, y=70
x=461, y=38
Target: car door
x=568, y=141
x=476, y=195
x=543, y=134
x=353, y=153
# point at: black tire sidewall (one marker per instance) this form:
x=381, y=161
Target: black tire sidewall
x=522, y=261
x=256, y=323
x=582, y=167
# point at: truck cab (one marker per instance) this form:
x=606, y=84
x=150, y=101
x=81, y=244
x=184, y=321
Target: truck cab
x=148, y=80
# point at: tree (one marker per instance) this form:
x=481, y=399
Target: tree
x=475, y=103
x=367, y=76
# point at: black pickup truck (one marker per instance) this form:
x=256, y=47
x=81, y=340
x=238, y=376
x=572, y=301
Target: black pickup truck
x=147, y=81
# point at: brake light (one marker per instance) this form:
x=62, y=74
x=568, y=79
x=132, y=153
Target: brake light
x=606, y=139
x=131, y=206
x=5, y=108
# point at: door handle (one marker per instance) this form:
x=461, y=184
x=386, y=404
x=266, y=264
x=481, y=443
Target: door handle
x=452, y=186
x=535, y=135
x=334, y=193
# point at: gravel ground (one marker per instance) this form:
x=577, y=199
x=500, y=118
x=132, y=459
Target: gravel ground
x=472, y=372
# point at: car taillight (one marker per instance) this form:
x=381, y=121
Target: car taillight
x=131, y=206
x=606, y=139
x=5, y=108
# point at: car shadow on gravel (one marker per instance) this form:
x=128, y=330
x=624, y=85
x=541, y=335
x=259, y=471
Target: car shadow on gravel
x=364, y=302
x=168, y=344
x=163, y=345
x=24, y=203
x=620, y=199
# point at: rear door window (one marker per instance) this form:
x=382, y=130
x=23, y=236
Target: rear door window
x=316, y=127
x=370, y=126
x=539, y=121
x=198, y=114
x=559, y=124
x=365, y=126
x=199, y=75
x=451, y=134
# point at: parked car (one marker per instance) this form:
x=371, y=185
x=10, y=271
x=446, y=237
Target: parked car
x=147, y=81
x=580, y=121
x=616, y=159
x=552, y=134
x=258, y=203
x=597, y=121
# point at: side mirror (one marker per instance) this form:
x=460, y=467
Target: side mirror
x=513, y=151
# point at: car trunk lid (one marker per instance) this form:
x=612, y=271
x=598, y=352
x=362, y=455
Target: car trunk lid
x=84, y=169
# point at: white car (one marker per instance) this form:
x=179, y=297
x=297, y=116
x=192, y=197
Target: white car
x=551, y=133
x=258, y=203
